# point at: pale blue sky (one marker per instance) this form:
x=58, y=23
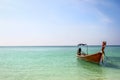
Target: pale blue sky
x=59, y=22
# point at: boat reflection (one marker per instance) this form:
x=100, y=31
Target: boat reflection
x=89, y=66
x=92, y=71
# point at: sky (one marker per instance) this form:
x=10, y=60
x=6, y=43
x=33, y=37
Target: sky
x=59, y=22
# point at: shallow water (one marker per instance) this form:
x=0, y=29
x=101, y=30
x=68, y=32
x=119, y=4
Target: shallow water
x=56, y=63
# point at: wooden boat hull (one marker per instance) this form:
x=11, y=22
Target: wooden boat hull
x=95, y=58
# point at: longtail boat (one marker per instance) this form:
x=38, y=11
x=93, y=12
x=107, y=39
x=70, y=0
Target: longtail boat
x=95, y=58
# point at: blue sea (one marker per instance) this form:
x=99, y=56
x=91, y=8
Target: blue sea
x=56, y=63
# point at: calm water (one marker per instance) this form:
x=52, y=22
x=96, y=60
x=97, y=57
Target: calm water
x=56, y=63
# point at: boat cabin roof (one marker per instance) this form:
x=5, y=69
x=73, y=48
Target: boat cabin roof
x=82, y=44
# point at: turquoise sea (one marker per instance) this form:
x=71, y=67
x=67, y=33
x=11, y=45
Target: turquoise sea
x=56, y=63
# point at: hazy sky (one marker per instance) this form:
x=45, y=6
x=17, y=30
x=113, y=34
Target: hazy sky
x=59, y=22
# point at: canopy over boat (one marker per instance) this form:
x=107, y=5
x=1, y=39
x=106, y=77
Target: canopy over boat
x=81, y=44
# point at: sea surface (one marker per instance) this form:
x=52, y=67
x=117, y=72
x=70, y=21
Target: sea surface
x=56, y=63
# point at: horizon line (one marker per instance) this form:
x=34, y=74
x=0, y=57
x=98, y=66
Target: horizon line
x=49, y=45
